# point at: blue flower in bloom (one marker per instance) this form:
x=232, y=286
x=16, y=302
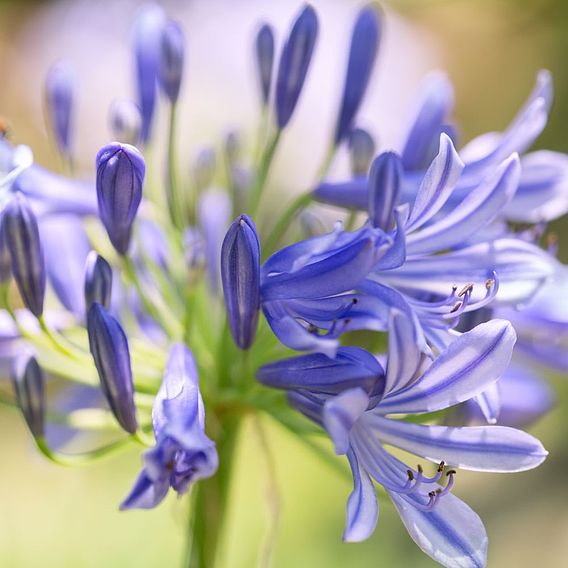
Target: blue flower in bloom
x=183, y=453
x=352, y=398
x=306, y=287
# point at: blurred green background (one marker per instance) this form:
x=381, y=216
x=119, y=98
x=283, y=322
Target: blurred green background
x=54, y=517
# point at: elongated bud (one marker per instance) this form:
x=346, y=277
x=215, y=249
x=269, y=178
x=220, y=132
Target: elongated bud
x=264, y=47
x=109, y=347
x=384, y=188
x=240, y=274
x=120, y=175
x=28, y=382
x=364, y=46
x=5, y=260
x=172, y=50
x=294, y=64
x=147, y=33
x=22, y=240
x=362, y=150
x=98, y=281
x=125, y=121
x=59, y=94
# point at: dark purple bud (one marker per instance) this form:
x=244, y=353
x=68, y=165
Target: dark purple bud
x=98, y=281
x=240, y=273
x=109, y=347
x=28, y=381
x=125, y=121
x=265, y=60
x=59, y=93
x=362, y=151
x=294, y=64
x=21, y=236
x=147, y=33
x=172, y=50
x=364, y=46
x=5, y=260
x=384, y=188
x=120, y=175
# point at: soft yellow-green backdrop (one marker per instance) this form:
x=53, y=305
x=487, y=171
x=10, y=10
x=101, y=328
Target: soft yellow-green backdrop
x=64, y=518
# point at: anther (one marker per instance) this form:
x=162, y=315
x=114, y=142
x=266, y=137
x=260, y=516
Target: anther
x=467, y=288
x=410, y=475
x=441, y=466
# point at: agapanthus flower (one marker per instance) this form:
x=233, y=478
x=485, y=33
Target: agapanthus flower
x=153, y=287
x=354, y=401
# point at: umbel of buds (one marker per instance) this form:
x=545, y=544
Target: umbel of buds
x=21, y=235
x=28, y=382
x=240, y=273
x=120, y=176
x=109, y=347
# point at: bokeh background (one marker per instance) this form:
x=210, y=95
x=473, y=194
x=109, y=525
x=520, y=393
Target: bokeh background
x=492, y=49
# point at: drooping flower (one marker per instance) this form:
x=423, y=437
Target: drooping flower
x=183, y=453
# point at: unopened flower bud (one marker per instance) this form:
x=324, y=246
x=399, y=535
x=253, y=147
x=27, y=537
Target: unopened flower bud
x=5, y=260
x=120, y=175
x=264, y=46
x=172, y=50
x=28, y=381
x=21, y=234
x=362, y=151
x=109, y=348
x=294, y=63
x=59, y=93
x=98, y=281
x=125, y=121
x=364, y=45
x=384, y=187
x=147, y=33
x=240, y=274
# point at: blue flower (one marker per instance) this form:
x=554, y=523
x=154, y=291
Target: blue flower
x=358, y=422
x=183, y=453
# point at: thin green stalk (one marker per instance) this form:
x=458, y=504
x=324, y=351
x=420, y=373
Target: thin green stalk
x=299, y=203
x=262, y=173
x=70, y=460
x=175, y=198
x=155, y=304
x=211, y=501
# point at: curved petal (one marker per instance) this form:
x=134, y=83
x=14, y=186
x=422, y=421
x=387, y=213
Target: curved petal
x=352, y=194
x=362, y=505
x=489, y=402
x=452, y=534
x=340, y=414
x=476, y=211
x=469, y=366
x=498, y=449
x=145, y=493
x=437, y=185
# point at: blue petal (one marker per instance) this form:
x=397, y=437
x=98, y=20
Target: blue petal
x=452, y=534
x=489, y=402
x=437, y=185
x=352, y=367
x=404, y=355
x=521, y=268
x=480, y=448
x=340, y=414
x=476, y=211
x=353, y=194
x=66, y=247
x=437, y=101
x=470, y=365
x=145, y=493
x=362, y=505
x=543, y=189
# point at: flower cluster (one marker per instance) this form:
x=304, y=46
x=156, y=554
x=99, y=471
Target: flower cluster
x=406, y=313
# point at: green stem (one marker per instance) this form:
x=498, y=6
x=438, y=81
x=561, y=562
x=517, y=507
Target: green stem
x=175, y=198
x=58, y=343
x=278, y=230
x=262, y=173
x=211, y=501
